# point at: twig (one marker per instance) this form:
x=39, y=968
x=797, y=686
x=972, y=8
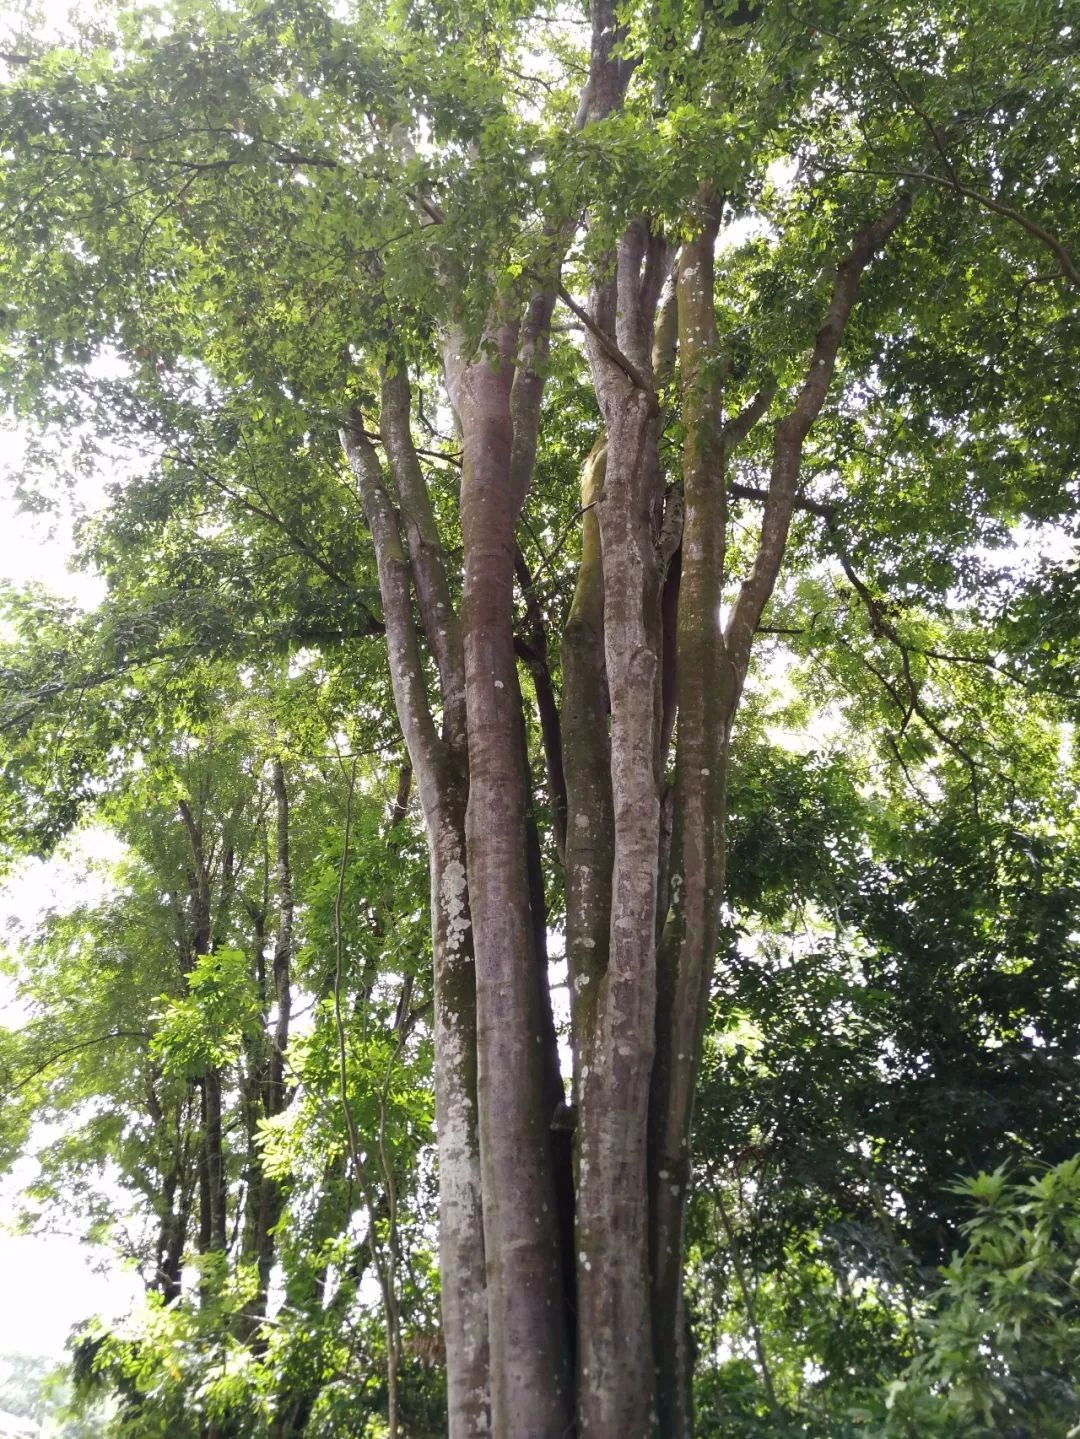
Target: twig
x=74, y=1049
x=454, y=459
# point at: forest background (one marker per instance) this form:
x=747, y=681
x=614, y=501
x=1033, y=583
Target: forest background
x=585, y=640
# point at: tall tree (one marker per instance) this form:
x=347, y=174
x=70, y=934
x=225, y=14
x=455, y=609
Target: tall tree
x=303, y=229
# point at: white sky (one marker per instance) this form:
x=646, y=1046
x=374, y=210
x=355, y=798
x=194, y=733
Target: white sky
x=47, y=1285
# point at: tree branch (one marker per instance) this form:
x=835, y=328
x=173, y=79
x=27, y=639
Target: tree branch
x=800, y=502
x=536, y=659
x=427, y=554
x=827, y=512
x=606, y=343
x=406, y=666
x=81, y=1044
x=791, y=433
x=1045, y=237
x=740, y=425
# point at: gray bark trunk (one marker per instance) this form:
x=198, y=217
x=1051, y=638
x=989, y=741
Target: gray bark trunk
x=442, y=782
x=612, y=1207
x=711, y=671
x=696, y=880
x=461, y=1217
x=614, y=1332
x=529, y=1362
x=590, y=838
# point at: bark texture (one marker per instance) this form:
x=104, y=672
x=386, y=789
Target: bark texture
x=590, y=836
x=529, y=1355
x=702, y=686
x=711, y=669
x=553, y=1323
x=614, y=1335
x=442, y=782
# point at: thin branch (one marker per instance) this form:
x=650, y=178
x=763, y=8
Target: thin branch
x=828, y=512
x=916, y=706
x=740, y=425
x=264, y=512
x=536, y=658
x=339, y=972
x=454, y=459
x=81, y=1044
x=1045, y=237
x=606, y=343
x=801, y=502
x=735, y=1249
x=933, y=129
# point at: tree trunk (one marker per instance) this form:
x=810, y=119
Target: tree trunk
x=711, y=670
x=643, y=644
x=590, y=838
x=283, y=945
x=461, y=1220
x=213, y=1180
x=267, y=1094
x=442, y=782
x=612, y=1204
x=216, y=1178
x=696, y=881
x=614, y=1334
x=170, y=1242
x=529, y=1356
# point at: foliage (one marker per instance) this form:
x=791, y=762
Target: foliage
x=223, y=224
x=37, y=1391
x=998, y=1349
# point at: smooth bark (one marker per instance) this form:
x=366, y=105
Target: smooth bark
x=442, y=783
x=614, y=1334
x=702, y=682
x=644, y=659
x=590, y=837
x=711, y=672
x=529, y=1359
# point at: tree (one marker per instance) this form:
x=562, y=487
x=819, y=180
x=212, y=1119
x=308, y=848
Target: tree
x=910, y=1021
x=296, y=226
x=1002, y=1339
x=175, y=986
